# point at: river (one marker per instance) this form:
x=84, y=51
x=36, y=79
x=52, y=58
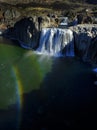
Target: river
x=42, y=92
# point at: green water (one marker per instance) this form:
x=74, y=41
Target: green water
x=21, y=71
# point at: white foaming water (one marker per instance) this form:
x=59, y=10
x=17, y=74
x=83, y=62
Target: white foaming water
x=56, y=42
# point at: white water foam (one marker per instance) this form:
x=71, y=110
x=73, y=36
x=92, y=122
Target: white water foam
x=56, y=42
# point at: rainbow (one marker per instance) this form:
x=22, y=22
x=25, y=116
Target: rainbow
x=19, y=86
x=19, y=91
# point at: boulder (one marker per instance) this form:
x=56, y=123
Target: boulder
x=25, y=32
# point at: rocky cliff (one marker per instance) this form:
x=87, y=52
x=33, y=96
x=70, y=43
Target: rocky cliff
x=85, y=37
x=13, y=10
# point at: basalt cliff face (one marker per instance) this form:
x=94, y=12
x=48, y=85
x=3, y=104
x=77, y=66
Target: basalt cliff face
x=25, y=32
x=85, y=37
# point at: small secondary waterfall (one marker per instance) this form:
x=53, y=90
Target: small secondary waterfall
x=56, y=42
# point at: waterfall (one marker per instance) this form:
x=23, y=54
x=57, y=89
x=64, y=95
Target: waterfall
x=56, y=42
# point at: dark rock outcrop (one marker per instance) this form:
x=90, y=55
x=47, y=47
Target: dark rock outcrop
x=24, y=32
x=92, y=51
x=85, y=37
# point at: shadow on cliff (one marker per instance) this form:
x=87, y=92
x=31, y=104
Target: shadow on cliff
x=85, y=46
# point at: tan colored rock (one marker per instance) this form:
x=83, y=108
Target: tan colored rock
x=3, y=26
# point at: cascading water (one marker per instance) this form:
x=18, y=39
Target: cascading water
x=56, y=42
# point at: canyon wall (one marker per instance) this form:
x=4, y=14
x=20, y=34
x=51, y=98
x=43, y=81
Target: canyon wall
x=85, y=37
